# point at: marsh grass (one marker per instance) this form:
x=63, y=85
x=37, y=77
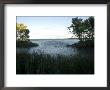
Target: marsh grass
x=35, y=63
x=83, y=44
x=25, y=44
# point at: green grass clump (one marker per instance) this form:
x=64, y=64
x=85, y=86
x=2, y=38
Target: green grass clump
x=83, y=44
x=25, y=44
x=35, y=63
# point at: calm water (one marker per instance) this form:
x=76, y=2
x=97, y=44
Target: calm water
x=58, y=47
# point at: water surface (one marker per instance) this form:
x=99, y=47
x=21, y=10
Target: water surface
x=56, y=47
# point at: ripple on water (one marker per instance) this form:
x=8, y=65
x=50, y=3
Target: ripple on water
x=54, y=47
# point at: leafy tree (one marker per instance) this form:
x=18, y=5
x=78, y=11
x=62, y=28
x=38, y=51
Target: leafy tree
x=89, y=23
x=83, y=29
x=22, y=33
x=77, y=27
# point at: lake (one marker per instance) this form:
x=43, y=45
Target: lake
x=56, y=47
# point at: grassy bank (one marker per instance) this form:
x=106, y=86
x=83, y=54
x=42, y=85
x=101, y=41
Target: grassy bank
x=25, y=44
x=35, y=63
x=83, y=44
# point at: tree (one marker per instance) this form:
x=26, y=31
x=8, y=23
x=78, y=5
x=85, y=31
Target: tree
x=89, y=23
x=22, y=33
x=83, y=29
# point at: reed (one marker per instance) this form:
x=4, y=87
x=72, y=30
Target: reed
x=35, y=63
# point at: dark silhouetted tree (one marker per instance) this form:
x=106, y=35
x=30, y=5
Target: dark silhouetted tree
x=83, y=29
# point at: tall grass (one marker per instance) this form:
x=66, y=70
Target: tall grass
x=83, y=44
x=35, y=63
x=25, y=44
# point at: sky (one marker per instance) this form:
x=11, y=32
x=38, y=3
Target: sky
x=47, y=27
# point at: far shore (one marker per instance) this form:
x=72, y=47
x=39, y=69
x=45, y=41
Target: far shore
x=52, y=38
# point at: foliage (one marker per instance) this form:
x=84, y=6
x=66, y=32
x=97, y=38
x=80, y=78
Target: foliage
x=22, y=33
x=83, y=29
x=35, y=63
x=25, y=44
x=83, y=44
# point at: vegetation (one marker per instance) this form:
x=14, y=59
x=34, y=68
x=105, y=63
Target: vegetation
x=25, y=44
x=35, y=63
x=83, y=30
x=22, y=36
x=85, y=44
x=22, y=33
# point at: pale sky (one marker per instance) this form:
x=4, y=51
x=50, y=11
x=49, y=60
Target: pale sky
x=47, y=27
